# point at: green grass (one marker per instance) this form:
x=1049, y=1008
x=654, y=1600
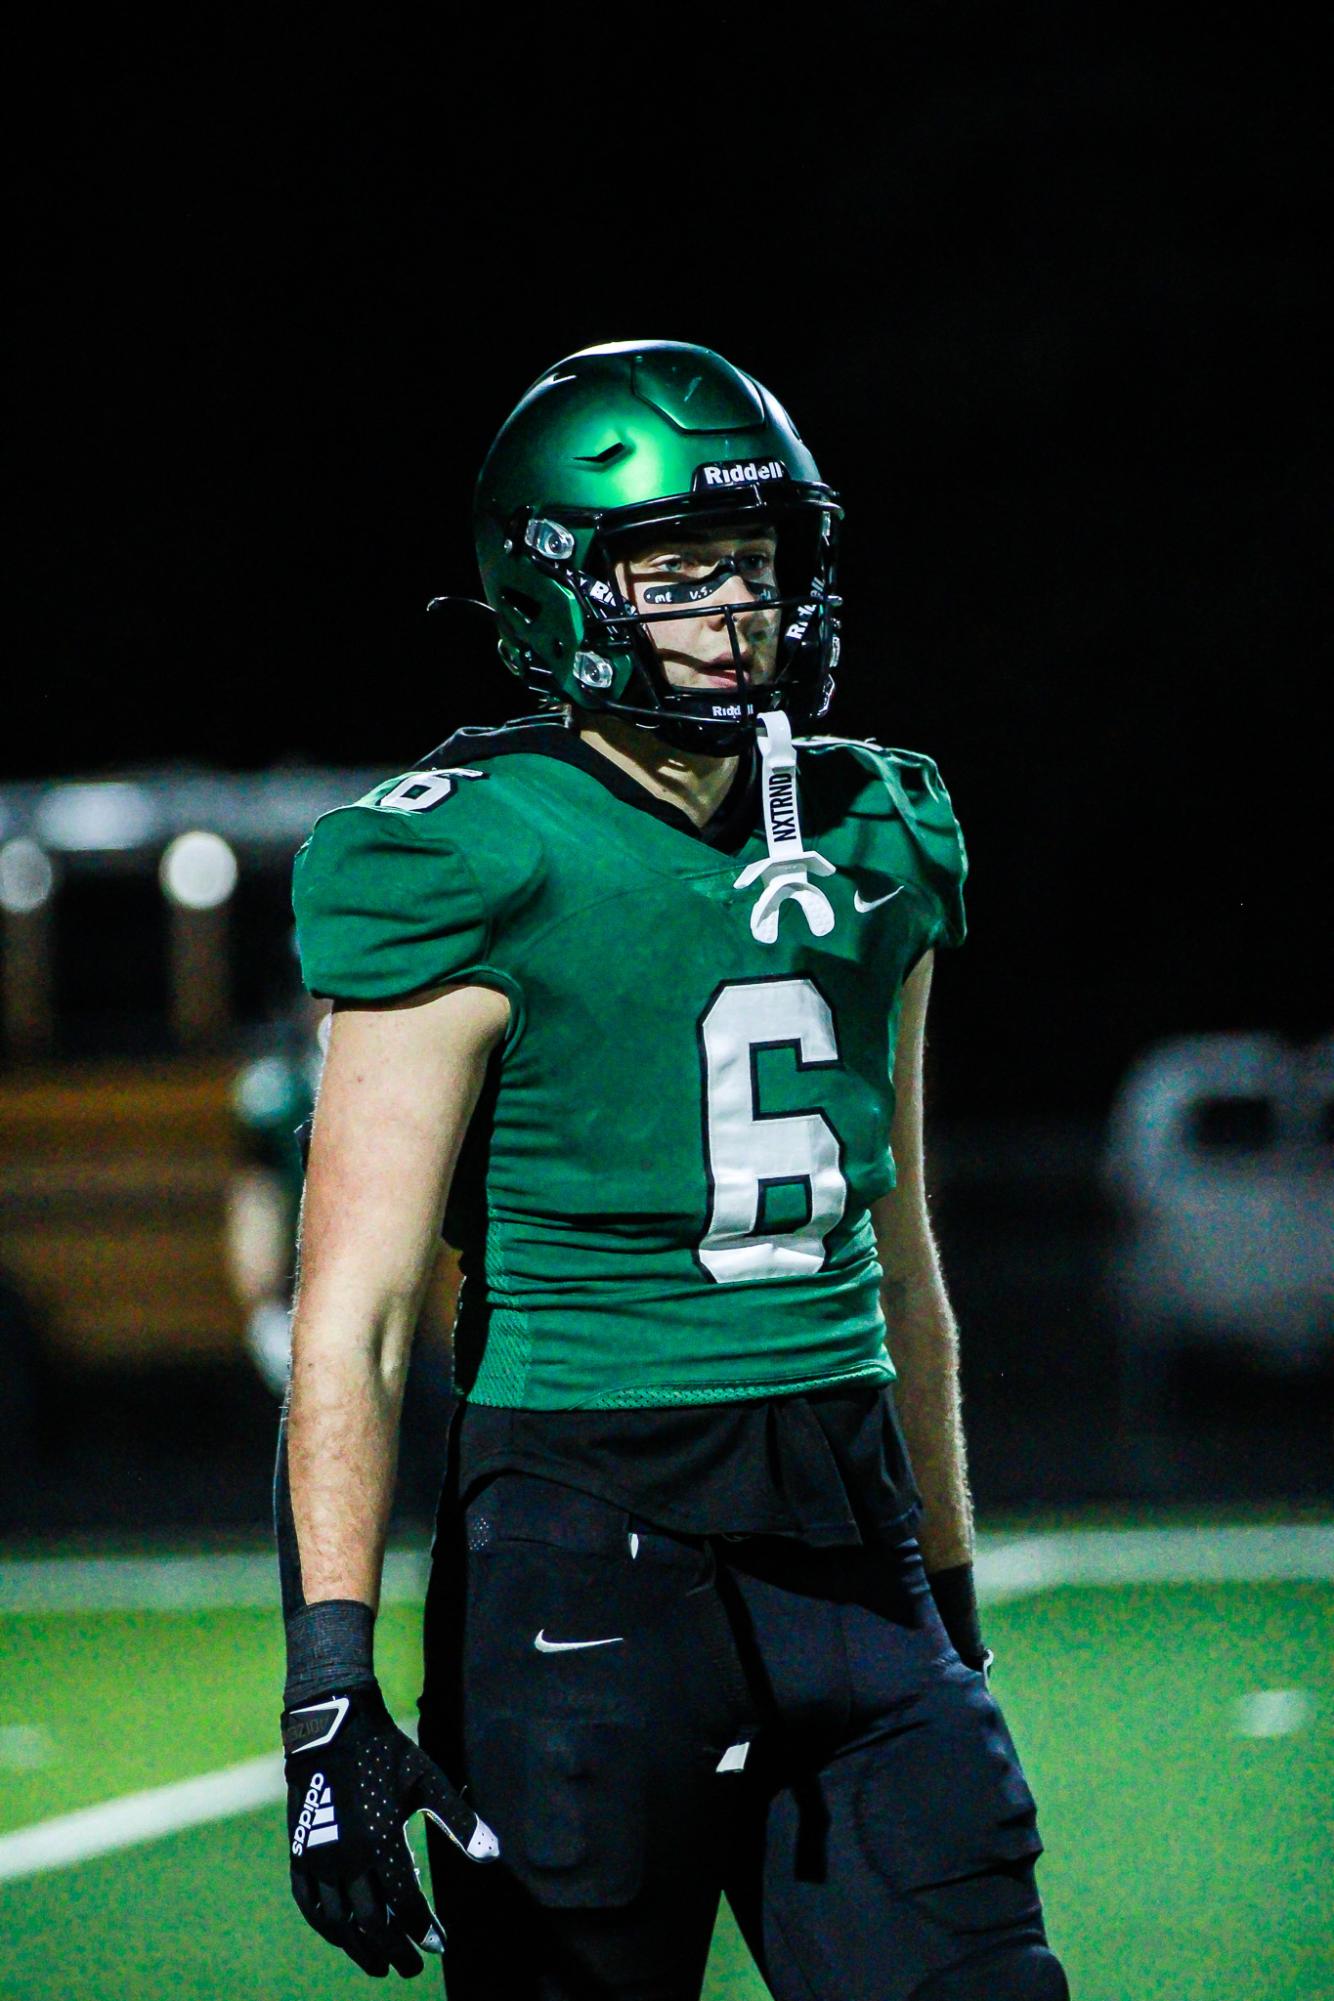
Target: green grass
x=1185, y=1862
x=132, y=1699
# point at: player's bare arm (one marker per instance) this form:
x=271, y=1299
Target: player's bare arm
x=923, y=1337
x=399, y=1086
x=400, y=1083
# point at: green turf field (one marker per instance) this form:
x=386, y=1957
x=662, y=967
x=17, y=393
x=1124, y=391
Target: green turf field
x=1179, y=1736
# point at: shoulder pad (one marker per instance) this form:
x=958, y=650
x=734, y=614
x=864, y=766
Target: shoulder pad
x=476, y=742
x=916, y=796
x=409, y=887
x=911, y=778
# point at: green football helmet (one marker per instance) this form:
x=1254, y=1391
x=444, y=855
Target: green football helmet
x=616, y=442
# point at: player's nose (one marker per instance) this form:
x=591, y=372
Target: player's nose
x=732, y=591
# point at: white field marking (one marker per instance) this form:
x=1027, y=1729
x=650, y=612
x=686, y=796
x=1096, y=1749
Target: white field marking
x=97, y=1830
x=1241, y=1555
x=1274, y=1712
x=236, y=1581
x=1004, y=1570
x=147, y=1816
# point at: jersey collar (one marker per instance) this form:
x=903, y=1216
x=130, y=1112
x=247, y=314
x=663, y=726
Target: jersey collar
x=728, y=829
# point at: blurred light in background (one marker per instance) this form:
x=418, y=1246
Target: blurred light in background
x=26, y=877
x=198, y=870
x=27, y=884
x=95, y=818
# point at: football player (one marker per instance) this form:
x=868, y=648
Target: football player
x=629, y=996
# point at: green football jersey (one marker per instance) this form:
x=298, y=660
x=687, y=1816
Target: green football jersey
x=664, y=1194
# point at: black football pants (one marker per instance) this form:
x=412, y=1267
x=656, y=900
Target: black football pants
x=591, y=1679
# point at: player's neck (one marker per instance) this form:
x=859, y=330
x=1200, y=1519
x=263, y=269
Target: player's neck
x=693, y=782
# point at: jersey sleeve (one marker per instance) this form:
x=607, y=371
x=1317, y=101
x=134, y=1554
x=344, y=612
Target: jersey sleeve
x=386, y=904
x=900, y=799
x=919, y=793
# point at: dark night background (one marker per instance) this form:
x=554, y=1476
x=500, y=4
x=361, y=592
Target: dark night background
x=1038, y=293
x=1041, y=285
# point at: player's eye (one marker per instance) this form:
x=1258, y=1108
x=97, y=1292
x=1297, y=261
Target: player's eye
x=680, y=564
x=756, y=565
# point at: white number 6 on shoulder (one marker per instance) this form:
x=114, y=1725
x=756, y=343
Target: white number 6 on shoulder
x=423, y=789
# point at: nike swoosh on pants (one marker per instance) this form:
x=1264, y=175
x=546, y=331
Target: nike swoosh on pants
x=546, y=1646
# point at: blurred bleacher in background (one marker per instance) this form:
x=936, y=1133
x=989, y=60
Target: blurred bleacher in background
x=1147, y=1302
x=148, y=994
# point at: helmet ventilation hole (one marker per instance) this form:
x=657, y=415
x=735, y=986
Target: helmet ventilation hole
x=529, y=609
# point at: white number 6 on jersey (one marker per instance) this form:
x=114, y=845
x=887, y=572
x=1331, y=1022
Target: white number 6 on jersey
x=421, y=790
x=748, y=1151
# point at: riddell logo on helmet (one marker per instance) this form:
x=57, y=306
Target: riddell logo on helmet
x=738, y=472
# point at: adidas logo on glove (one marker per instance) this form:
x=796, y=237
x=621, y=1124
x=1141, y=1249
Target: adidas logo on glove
x=315, y=1823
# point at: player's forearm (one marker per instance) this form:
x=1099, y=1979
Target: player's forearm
x=342, y=1449
x=924, y=1343
x=399, y=1085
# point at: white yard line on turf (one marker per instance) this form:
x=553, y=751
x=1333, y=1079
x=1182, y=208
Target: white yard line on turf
x=1005, y=1570
x=119, y=1823
x=1240, y=1555
x=145, y=1816
x=237, y=1580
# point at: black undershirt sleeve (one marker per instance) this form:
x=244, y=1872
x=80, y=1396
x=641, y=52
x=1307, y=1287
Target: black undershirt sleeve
x=956, y=1601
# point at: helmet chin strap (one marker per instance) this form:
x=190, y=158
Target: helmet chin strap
x=785, y=871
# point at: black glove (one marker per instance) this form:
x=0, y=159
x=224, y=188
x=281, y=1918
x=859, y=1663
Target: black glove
x=353, y=1781
x=956, y=1602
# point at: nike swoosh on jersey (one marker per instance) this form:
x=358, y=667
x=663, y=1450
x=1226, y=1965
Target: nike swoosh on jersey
x=546, y=1646
x=859, y=902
